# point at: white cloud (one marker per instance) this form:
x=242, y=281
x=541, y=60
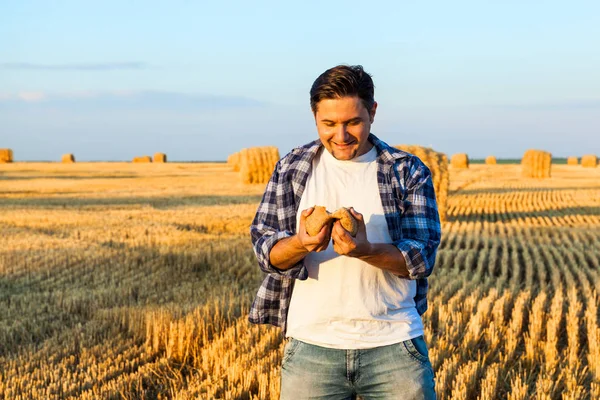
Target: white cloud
x=75, y=66
x=31, y=96
x=129, y=100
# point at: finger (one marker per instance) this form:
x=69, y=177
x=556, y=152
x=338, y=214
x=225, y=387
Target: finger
x=307, y=212
x=323, y=234
x=337, y=227
x=326, y=228
x=361, y=222
x=335, y=232
x=339, y=249
x=313, y=240
x=325, y=243
x=303, y=216
x=341, y=234
x=356, y=214
x=336, y=248
x=323, y=247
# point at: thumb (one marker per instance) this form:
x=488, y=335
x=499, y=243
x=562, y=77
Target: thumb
x=303, y=216
x=356, y=214
x=307, y=212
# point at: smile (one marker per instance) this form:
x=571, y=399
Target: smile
x=343, y=144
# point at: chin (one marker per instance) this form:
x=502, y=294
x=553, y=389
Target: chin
x=345, y=156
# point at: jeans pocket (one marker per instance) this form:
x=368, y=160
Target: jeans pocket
x=289, y=349
x=417, y=349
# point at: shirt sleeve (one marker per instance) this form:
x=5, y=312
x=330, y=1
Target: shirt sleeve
x=265, y=231
x=420, y=223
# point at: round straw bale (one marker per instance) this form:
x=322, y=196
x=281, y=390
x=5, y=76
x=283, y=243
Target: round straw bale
x=460, y=160
x=536, y=164
x=589, y=161
x=68, y=158
x=438, y=165
x=491, y=160
x=572, y=161
x=257, y=164
x=6, y=156
x=159, y=158
x=142, y=159
x=234, y=160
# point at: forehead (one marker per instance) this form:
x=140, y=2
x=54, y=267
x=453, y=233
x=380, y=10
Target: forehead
x=341, y=108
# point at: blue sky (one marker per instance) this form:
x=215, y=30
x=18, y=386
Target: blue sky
x=110, y=80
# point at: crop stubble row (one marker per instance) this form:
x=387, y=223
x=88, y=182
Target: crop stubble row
x=155, y=306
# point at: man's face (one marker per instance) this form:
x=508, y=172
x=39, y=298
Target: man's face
x=344, y=125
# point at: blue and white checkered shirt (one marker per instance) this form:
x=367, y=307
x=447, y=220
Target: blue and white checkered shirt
x=408, y=200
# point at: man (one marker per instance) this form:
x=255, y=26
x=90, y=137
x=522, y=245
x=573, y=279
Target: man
x=352, y=308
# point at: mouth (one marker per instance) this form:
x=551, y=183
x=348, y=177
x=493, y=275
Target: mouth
x=343, y=145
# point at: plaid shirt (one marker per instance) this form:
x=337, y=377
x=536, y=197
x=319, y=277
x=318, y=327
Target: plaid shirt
x=409, y=205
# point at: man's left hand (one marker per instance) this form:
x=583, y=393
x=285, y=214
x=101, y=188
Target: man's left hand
x=346, y=245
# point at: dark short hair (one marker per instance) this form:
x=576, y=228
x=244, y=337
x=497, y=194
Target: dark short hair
x=343, y=81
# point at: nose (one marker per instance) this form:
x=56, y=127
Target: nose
x=341, y=134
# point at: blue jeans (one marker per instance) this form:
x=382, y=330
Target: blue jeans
x=397, y=371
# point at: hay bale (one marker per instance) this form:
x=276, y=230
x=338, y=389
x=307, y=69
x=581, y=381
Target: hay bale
x=159, y=158
x=460, y=160
x=438, y=165
x=491, y=160
x=142, y=159
x=235, y=161
x=572, y=161
x=6, y=156
x=68, y=158
x=257, y=163
x=589, y=161
x=536, y=164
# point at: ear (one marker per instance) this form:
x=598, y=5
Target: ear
x=372, y=112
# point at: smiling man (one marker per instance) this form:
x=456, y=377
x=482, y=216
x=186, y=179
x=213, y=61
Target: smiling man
x=350, y=307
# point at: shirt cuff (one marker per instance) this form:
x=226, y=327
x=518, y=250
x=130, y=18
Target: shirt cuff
x=416, y=264
x=297, y=271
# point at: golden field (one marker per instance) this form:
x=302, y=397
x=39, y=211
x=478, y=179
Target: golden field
x=133, y=281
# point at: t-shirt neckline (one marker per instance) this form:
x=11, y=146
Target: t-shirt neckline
x=368, y=157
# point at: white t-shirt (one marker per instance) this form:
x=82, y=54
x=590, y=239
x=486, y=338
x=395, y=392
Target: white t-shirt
x=347, y=303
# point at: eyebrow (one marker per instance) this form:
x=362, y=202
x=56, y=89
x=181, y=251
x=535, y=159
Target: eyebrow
x=345, y=122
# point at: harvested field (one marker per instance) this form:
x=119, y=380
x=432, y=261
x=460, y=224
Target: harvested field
x=123, y=281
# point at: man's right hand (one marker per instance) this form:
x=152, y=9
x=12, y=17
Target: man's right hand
x=289, y=251
x=317, y=243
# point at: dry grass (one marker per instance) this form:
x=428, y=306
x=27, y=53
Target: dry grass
x=6, y=156
x=459, y=160
x=536, y=164
x=438, y=165
x=118, y=281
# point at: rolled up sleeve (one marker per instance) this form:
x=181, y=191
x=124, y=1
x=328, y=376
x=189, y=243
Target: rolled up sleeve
x=265, y=232
x=420, y=223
